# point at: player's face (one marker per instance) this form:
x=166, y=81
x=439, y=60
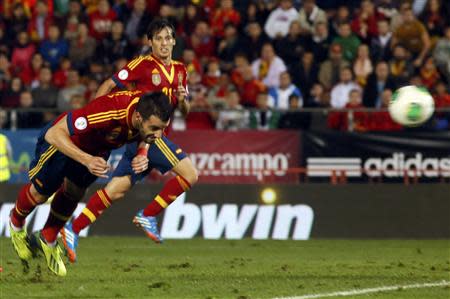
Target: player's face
x=152, y=128
x=162, y=43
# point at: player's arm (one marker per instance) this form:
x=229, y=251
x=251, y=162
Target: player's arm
x=105, y=87
x=59, y=136
x=182, y=95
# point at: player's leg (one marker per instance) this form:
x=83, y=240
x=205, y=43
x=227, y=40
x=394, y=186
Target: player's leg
x=42, y=185
x=164, y=156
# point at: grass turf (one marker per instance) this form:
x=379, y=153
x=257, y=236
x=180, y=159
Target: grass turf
x=114, y=267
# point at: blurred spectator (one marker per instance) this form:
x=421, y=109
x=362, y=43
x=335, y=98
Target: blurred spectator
x=380, y=45
x=191, y=62
x=388, y=8
x=340, y=92
x=100, y=20
x=397, y=18
x=376, y=84
x=310, y=15
x=277, y=24
x=329, y=69
x=294, y=119
x=269, y=67
x=77, y=101
x=321, y=41
x=413, y=35
x=82, y=48
x=342, y=16
x=205, y=119
x=254, y=41
x=40, y=21
x=229, y=46
x=17, y=23
x=45, y=94
x=250, y=87
x=54, y=48
x=22, y=52
x=348, y=41
x=26, y=119
x=441, y=54
x=30, y=75
x=4, y=121
x=292, y=46
x=224, y=14
x=97, y=71
x=192, y=15
x=71, y=21
x=318, y=97
x=5, y=159
x=136, y=21
x=235, y=118
x=11, y=96
x=264, y=118
x=279, y=96
x=73, y=86
x=351, y=120
x=4, y=40
x=305, y=73
x=5, y=71
x=362, y=66
x=240, y=61
x=435, y=17
x=91, y=88
x=429, y=73
x=202, y=42
x=381, y=120
x=441, y=95
x=256, y=12
x=400, y=67
x=60, y=75
x=212, y=75
x=218, y=93
x=364, y=24
x=114, y=46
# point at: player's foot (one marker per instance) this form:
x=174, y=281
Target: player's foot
x=149, y=225
x=70, y=241
x=52, y=254
x=20, y=241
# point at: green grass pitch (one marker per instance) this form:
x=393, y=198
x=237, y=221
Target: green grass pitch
x=125, y=267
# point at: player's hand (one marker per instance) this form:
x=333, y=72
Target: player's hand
x=98, y=167
x=139, y=164
x=181, y=93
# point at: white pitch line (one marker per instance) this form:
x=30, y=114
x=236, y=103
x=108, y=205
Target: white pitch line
x=371, y=290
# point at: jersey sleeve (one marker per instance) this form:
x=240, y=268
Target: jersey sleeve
x=134, y=70
x=95, y=115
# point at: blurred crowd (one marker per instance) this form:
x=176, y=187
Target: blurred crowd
x=274, y=57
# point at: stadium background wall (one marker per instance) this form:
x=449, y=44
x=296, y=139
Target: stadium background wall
x=323, y=210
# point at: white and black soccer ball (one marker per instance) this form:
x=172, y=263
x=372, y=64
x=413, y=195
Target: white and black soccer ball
x=411, y=106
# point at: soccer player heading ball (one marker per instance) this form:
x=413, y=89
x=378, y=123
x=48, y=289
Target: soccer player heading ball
x=155, y=72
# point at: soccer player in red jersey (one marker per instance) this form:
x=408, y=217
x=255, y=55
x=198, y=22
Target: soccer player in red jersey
x=153, y=72
x=71, y=153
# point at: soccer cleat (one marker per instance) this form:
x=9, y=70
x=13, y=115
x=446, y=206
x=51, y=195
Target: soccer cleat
x=70, y=241
x=149, y=225
x=52, y=255
x=21, y=243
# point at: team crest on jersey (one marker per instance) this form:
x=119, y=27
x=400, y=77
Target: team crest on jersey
x=156, y=79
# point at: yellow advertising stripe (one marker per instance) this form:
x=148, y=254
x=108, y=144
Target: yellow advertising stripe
x=104, y=114
x=42, y=161
x=89, y=214
x=108, y=118
x=169, y=155
x=59, y=216
x=161, y=201
x=169, y=151
x=103, y=198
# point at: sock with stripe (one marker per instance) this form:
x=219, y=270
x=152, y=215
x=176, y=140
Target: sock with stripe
x=61, y=209
x=98, y=202
x=25, y=204
x=171, y=190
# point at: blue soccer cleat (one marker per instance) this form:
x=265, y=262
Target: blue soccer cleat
x=149, y=225
x=70, y=241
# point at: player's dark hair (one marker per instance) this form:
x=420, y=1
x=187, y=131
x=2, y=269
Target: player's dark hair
x=157, y=25
x=155, y=103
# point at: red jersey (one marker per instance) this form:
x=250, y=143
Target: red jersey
x=148, y=73
x=105, y=123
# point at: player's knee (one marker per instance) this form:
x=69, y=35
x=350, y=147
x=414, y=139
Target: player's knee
x=40, y=198
x=116, y=195
x=192, y=176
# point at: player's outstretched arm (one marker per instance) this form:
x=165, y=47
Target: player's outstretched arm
x=105, y=88
x=182, y=97
x=59, y=136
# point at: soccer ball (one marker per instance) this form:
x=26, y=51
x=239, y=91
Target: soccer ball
x=411, y=106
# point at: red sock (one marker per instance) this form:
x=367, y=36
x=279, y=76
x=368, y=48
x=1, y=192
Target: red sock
x=168, y=194
x=98, y=202
x=61, y=209
x=25, y=204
